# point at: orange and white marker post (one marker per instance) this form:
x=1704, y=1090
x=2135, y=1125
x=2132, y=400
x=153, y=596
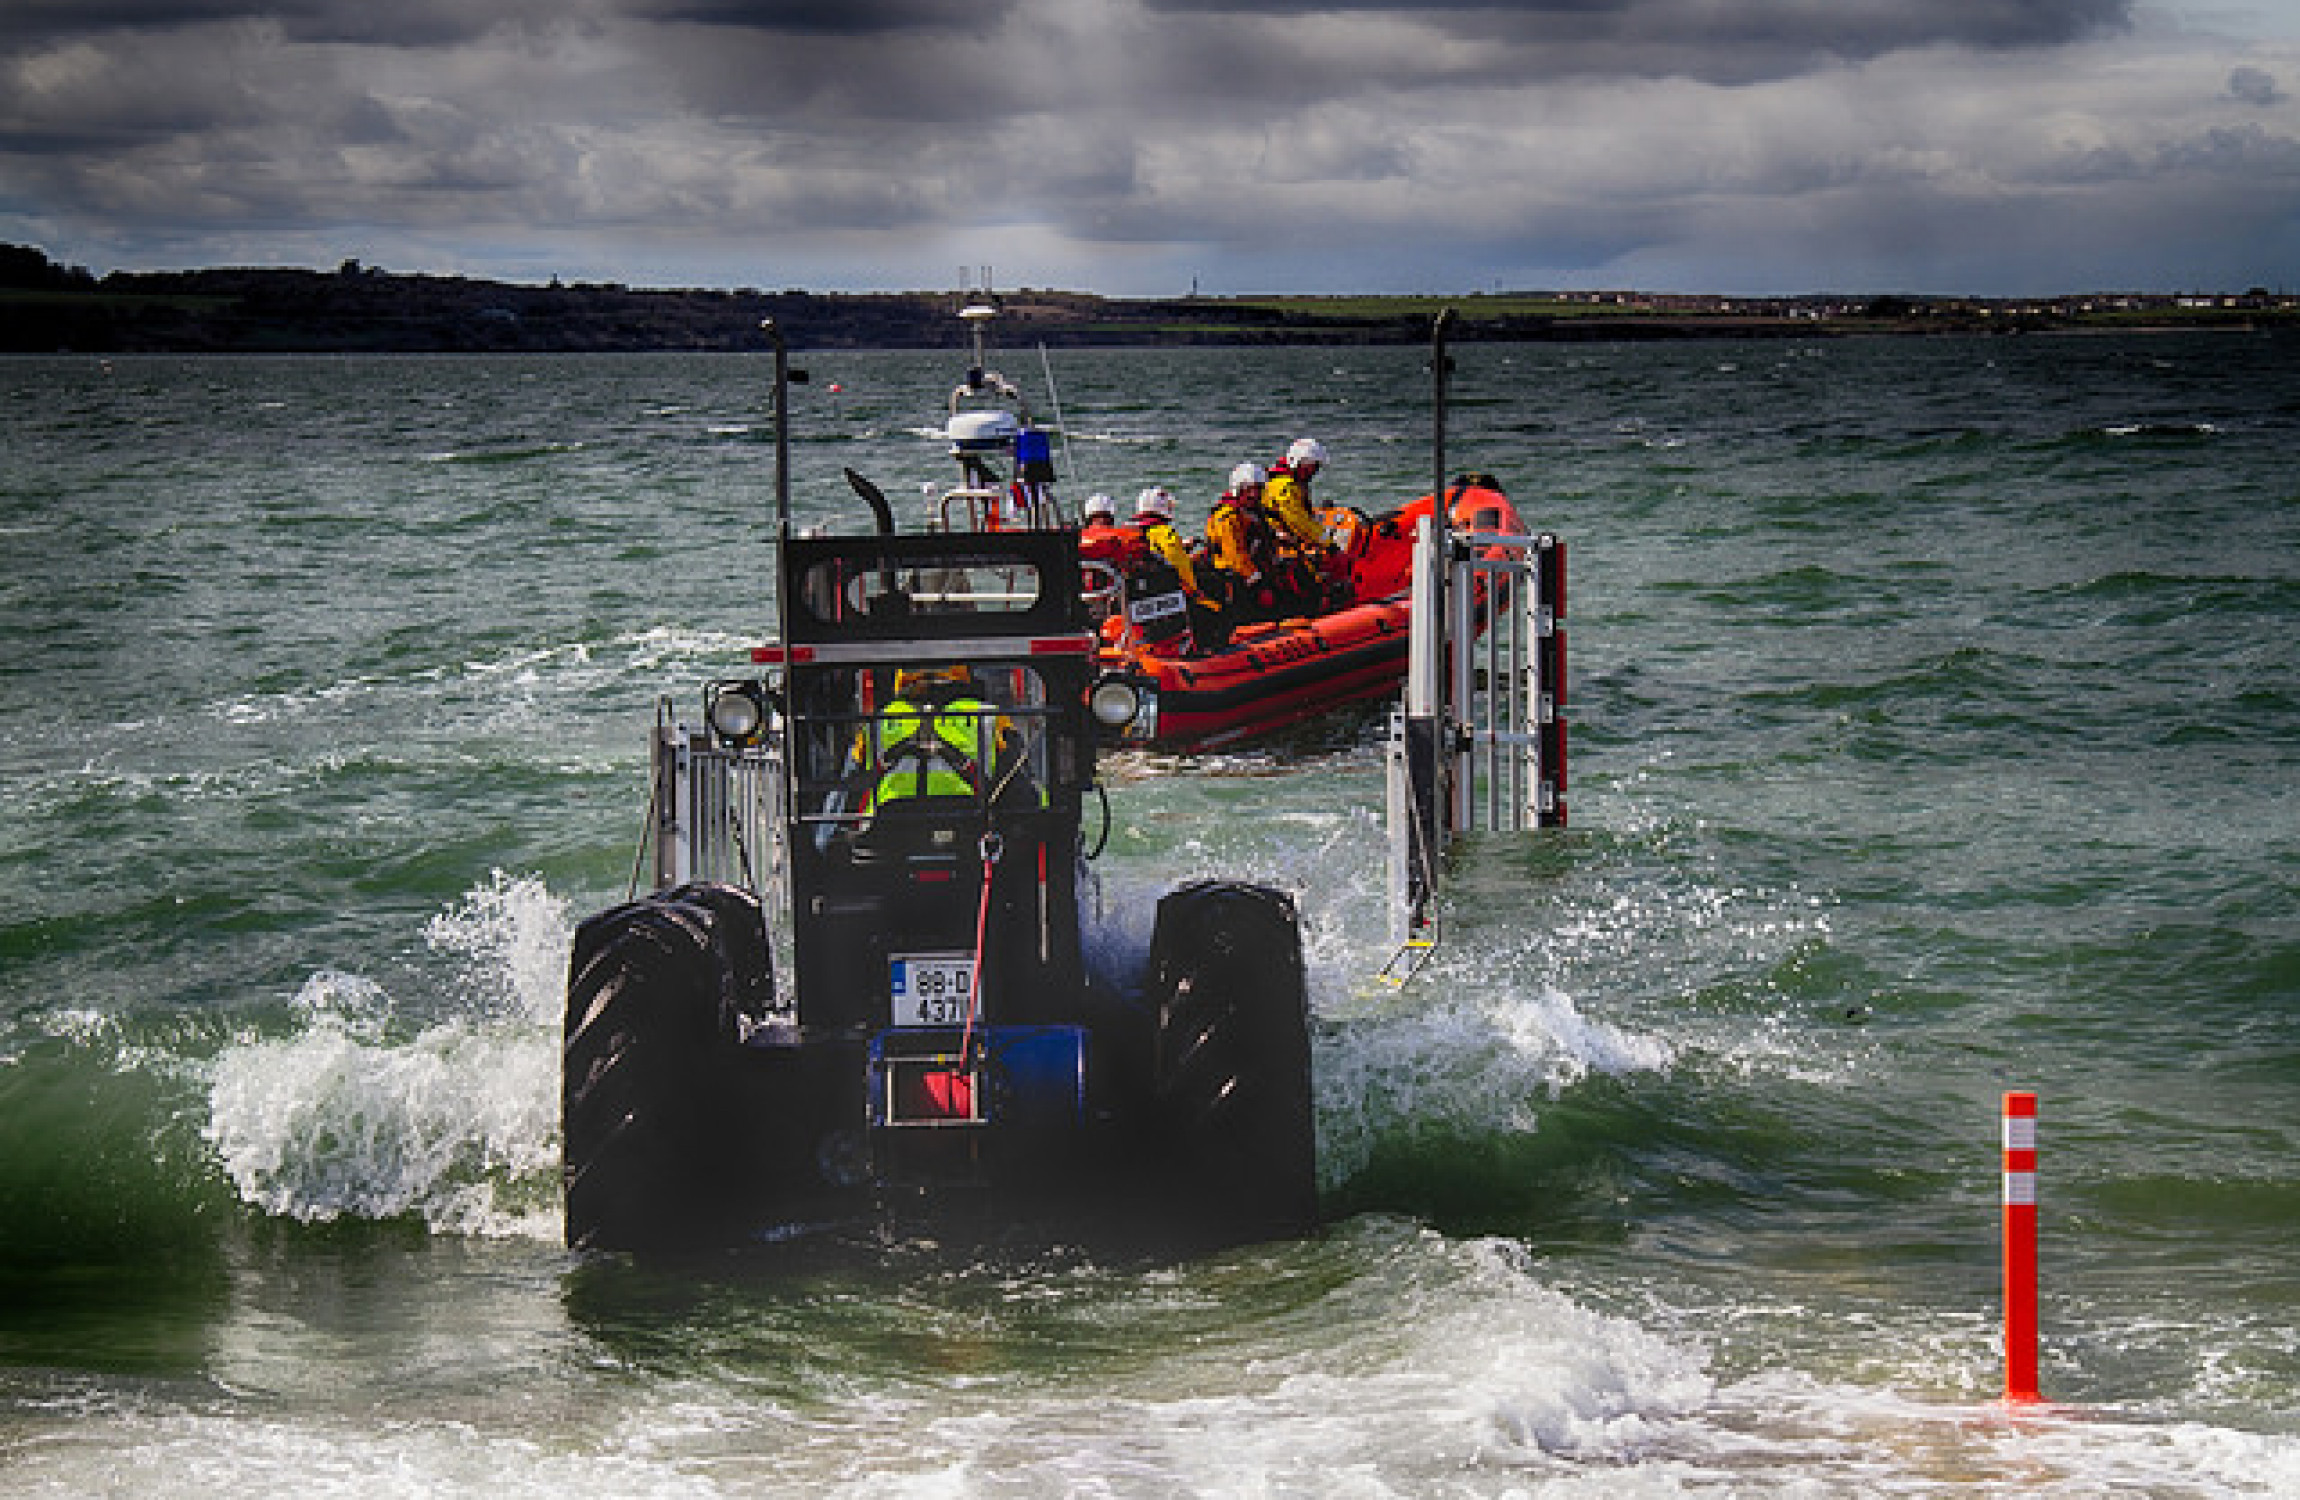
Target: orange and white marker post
x=2020, y=1247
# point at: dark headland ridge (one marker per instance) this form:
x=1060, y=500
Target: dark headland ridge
x=46, y=307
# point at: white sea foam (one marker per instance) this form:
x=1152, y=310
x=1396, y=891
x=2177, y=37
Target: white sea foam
x=1556, y=1405
x=361, y=1112
x=1387, y=1362
x=1475, y=1046
x=1119, y=439
x=650, y=655
x=454, y=1121
x=1464, y=1061
x=512, y=936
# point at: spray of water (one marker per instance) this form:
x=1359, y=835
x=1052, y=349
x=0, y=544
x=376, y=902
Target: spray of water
x=453, y=1121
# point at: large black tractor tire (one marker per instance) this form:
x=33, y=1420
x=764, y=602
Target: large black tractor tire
x=655, y=991
x=1232, y=1105
x=740, y=953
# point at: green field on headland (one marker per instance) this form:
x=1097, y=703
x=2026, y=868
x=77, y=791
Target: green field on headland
x=46, y=307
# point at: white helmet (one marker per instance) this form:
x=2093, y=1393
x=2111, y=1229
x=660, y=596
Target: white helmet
x=1306, y=451
x=1248, y=475
x=1155, y=501
x=1101, y=505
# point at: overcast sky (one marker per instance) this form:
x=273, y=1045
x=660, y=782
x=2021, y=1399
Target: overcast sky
x=1999, y=147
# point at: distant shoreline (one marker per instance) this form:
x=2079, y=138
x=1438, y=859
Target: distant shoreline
x=46, y=308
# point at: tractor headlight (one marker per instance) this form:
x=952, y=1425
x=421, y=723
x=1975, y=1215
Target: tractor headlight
x=1115, y=702
x=737, y=711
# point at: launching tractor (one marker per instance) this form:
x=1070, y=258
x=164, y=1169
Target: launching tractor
x=857, y=995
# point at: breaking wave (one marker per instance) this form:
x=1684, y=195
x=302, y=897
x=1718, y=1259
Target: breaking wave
x=451, y=1120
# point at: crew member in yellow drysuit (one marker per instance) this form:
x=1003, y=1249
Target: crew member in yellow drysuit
x=1286, y=498
x=1245, y=548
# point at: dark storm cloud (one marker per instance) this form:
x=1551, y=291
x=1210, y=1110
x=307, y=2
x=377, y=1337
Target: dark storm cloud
x=1679, y=31
x=2255, y=86
x=1991, y=23
x=867, y=18
x=112, y=94
x=1270, y=143
x=52, y=20
x=402, y=23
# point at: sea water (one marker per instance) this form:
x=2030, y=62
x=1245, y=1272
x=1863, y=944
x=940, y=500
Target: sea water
x=1936, y=725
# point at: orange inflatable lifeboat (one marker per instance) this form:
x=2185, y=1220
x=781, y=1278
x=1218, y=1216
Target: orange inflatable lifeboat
x=1269, y=676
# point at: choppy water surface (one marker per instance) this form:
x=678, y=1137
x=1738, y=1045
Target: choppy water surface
x=1937, y=717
